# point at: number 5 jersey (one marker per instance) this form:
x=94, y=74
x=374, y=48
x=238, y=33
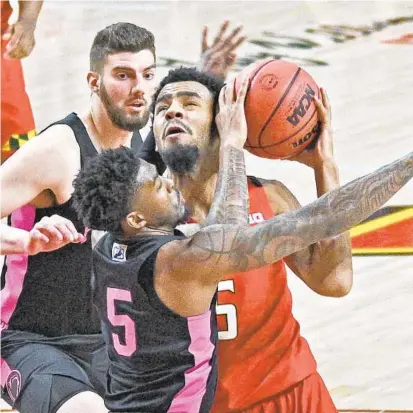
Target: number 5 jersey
x=159, y=360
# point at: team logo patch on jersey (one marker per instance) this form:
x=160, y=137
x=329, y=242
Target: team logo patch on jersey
x=14, y=384
x=119, y=252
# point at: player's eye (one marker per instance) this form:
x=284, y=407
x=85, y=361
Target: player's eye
x=160, y=109
x=149, y=75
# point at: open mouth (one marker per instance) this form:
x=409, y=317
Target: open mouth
x=174, y=130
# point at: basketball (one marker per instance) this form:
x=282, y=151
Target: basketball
x=280, y=112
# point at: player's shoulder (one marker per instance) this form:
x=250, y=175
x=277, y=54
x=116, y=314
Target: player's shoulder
x=270, y=185
x=279, y=196
x=261, y=182
x=54, y=140
x=57, y=137
x=47, y=157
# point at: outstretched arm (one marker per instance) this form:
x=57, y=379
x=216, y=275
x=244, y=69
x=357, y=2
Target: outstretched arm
x=49, y=234
x=221, y=249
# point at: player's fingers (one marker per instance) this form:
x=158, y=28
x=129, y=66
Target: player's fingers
x=73, y=231
x=238, y=43
x=242, y=92
x=319, y=105
x=15, y=37
x=36, y=235
x=232, y=37
x=326, y=101
x=49, y=230
x=221, y=32
x=229, y=92
x=66, y=227
x=204, y=45
x=65, y=231
x=232, y=57
x=12, y=48
x=80, y=238
x=321, y=111
x=221, y=98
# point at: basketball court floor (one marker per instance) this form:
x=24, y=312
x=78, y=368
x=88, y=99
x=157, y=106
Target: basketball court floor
x=362, y=53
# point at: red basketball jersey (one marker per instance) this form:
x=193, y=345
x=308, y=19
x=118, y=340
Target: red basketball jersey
x=260, y=352
x=6, y=12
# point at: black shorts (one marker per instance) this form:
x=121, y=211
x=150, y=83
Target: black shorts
x=40, y=373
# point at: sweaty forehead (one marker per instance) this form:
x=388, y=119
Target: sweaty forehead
x=180, y=88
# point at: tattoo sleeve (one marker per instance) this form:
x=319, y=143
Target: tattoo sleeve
x=231, y=200
x=226, y=249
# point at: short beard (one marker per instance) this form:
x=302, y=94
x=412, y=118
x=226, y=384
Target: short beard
x=181, y=159
x=118, y=116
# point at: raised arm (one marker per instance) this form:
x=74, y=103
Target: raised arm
x=326, y=266
x=222, y=249
x=231, y=202
x=219, y=56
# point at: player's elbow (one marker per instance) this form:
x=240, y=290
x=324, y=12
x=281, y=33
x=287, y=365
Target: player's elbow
x=338, y=285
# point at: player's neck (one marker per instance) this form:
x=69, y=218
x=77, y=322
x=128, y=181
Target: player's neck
x=130, y=233
x=102, y=131
x=198, y=188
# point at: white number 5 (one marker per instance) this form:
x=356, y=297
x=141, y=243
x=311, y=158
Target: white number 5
x=230, y=311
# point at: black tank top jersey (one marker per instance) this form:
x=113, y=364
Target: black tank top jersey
x=159, y=360
x=50, y=293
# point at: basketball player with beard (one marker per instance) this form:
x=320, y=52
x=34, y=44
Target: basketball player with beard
x=53, y=355
x=155, y=289
x=264, y=362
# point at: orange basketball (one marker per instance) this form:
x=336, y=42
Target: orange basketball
x=280, y=111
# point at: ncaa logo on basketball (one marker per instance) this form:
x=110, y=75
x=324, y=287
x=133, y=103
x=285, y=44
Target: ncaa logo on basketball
x=268, y=81
x=14, y=384
x=119, y=252
x=301, y=109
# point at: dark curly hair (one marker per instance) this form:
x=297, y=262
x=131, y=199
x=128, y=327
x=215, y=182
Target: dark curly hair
x=116, y=38
x=104, y=188
x=186, y=74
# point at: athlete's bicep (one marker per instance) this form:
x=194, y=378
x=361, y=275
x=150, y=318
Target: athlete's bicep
x=35, y=167
x=208, y=255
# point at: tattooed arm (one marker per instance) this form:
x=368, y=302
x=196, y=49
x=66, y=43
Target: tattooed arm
x=222, y=249
x=325, y=266
x=231, y=201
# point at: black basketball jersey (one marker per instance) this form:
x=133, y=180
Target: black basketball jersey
x=50, y=293
x=159, y=360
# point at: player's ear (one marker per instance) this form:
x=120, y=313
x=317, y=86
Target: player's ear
x=135, y=220
x=93, y=80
